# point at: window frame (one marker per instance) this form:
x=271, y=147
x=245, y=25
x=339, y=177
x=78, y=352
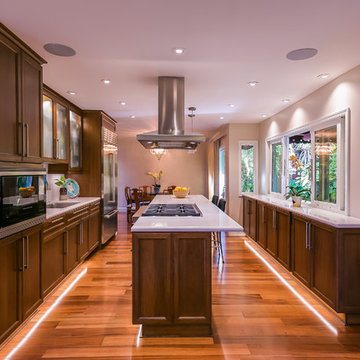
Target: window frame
x=341, y=119
x=255, y=144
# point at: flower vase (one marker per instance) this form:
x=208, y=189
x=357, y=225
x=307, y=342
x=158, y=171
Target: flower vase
x=63, y=194
x=156, y=189
x=296, y=200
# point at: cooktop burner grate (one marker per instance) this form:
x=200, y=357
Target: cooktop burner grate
x=172, y=210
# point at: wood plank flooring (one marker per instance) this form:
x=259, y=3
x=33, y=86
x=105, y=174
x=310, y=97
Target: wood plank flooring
x=254, y=316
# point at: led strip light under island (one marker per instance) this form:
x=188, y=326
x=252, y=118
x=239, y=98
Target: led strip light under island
x=172, y=265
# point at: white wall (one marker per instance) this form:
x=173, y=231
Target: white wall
x=180, y=168
x=339, y=94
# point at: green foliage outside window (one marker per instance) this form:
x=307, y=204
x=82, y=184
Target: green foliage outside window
x=247, y=168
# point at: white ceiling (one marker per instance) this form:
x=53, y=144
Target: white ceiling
x=228, y=43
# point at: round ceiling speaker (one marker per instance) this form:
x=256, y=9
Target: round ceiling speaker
x=59, y=49
x=301, y=54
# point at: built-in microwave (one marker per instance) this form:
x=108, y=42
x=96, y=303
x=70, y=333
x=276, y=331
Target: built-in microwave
x=22, y=199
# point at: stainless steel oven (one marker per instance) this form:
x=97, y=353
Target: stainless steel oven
x=22, y=199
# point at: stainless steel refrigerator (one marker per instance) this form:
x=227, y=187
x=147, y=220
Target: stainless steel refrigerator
x=109, y=184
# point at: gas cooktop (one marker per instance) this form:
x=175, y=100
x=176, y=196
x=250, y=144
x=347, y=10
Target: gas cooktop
x=172, y=210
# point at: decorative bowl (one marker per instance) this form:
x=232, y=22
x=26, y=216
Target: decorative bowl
x=26, y=192
x=180, y=193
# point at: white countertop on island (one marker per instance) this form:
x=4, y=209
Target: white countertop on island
x=211, y=219
x=328, y=217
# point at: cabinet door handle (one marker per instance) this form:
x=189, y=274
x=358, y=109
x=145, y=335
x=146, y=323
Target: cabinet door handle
x=78, y=211
x=57, y=148
x=27, y=140
x=309, y=235
x=66, y=243
x=22, y=267
x=306, y=235
x=81, y=234
x=274, y=219
x=26, y=266
x=23, y=140
x=263, y=214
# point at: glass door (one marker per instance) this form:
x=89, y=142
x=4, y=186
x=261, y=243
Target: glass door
x=48, y=127
x=75, y=140
x=222, y=183
x=61, y=127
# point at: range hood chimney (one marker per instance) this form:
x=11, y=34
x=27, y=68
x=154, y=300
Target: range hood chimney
x=170, y=134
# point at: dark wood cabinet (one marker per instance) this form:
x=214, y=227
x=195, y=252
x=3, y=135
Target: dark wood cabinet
x=249, y=217
x=261, y=224
x=53, y=254
x=283, y=223
x=72, y=241
x=10, y=136
x=172, y=283
x=31, y=109
x=314, y=257
x=20, y=292
x=20, y=100
x=10, y=267
x=272, y=229
x=84, y=238
x=31, y=284
x=94, y=227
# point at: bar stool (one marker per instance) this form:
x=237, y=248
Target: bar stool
x=217, y=236
x=215, y=200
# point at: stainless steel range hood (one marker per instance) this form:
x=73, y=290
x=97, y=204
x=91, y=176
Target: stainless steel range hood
x=170, y=134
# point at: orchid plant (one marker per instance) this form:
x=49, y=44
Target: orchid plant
x=156, y=177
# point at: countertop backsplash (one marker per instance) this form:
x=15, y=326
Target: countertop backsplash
x=52, y=190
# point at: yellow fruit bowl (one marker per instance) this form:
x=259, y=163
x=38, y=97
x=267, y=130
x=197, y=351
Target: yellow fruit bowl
x=181, y=192
x=27, y=192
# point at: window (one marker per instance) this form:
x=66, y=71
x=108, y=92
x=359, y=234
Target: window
x=248, y=166
x=276, y=167
x=314, y=158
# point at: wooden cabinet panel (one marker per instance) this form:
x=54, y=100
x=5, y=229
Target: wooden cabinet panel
x=94, y=228
x=152, y=297
x=249, y=217
x=52, y=260
x=84, y=239
x=271, y=243
x=283, y=238
x=10, y=135
x=262, y=224
x=322, y=243
x=31, y=108
x=10, y=255
x=31, y=284
x=192, y=274
x=72, y=240
x=300, y=252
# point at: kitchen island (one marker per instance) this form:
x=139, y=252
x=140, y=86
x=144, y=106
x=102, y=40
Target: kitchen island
x=172, y=268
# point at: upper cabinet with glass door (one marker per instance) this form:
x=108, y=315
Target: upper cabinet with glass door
x=62, y=129
x=75, y=140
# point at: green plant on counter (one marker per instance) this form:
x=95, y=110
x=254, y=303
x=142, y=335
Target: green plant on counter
x=60, y=182
x=298, y=191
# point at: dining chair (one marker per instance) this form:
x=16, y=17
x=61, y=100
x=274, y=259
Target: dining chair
x=217, y=243
x=146, y=193
x=215, y=199
x=170, y=189
x=129, y=203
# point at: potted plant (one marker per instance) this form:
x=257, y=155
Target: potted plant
x=297, y=194
x=156, y=177
x=62, y=184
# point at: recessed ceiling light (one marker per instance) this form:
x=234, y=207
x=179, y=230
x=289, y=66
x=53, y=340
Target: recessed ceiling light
x=59, y=49
x=123, y=103
x=231, y=105
x=301, y=54
x=263, y=115
x=285, y=100
x=70, y=92
x=132, y=116
x=222, y=118
x=252, y=83
x=106, y=81
x=323, y=76
x=178, y=50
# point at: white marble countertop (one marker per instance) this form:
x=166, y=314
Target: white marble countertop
x=212, y=218
x=328, y=217
x=80, y=202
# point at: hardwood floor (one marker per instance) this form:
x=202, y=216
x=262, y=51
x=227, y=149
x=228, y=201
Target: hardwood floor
x=255, y=316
